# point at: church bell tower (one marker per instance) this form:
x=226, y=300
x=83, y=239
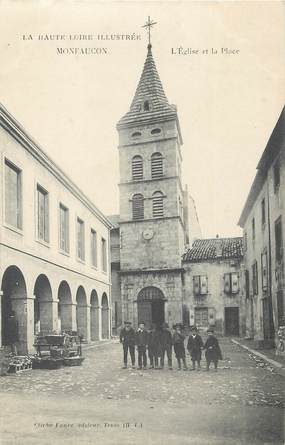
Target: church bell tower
x=152, y=234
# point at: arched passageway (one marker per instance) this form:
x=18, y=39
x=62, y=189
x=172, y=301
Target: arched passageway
x=14, y=299
x=94, y=315
x=81, y=313
x=64, y=307
x=151, y=303
x=105, y=316
x=43, y=305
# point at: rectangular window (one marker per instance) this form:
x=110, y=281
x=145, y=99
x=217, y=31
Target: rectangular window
x=63, y=228
x=255, y=278
x=253, y=229
x=43, y=214
x=80, y=240
x=201, y=317
x=264, y=270
x=104, y=254
x=278, y=240
x=93, y=248
x=276, y=175
x=247, y=290
x=263, y=214
x=231, y=283
x=200, y=285
x=13, y=195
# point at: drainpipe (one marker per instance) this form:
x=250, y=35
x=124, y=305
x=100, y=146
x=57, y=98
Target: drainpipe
x=270, y=308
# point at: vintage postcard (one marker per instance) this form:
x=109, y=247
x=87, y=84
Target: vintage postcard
x=142, y=222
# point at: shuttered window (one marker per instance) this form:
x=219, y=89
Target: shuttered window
x=138, y=206
x=137, y=168
x=157, y=205
x=63, y=228
x=104, y=254
x=43, y=214
x=93, y=248
x=80, y=239
x=231, y=283
x=264, y=270
x=255, y=278
x=13, y=195
x=156, y=166
x=200, y=285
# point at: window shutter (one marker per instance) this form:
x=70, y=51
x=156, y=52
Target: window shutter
x=137, y=168
x=47, y=217
x=156, y=166
x=227, y=283
x=235, y=283
x=138, y=206
x=264, y=270
x=157, y=205
x=196, y=285
x=204, y=284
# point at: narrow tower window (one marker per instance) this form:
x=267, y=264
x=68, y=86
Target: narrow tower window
x=137, y=168
x=146, y=106
x=157, y=205
x=156, y=166
x=138, y=206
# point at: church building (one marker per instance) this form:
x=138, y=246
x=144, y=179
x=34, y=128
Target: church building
x=150, y=234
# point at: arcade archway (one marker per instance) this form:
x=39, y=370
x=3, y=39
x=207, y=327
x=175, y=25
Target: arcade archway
x=43, y=305
x=14, y=299
x=94, y=315
x=64, y=307
x=105, y=316
x=81, y=312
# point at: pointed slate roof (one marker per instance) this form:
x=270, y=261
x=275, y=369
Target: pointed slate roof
x=149, y=89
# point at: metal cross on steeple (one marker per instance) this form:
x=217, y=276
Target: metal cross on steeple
x=149, y=24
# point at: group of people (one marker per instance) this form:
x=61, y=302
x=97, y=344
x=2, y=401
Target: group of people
x=159, y=342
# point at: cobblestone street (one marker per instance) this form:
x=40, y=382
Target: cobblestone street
x=241, y=403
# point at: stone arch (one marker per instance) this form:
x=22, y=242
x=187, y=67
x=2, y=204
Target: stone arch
x=151, y=306
x=105, y=316
x=14, y=299
x=43, y=305
x=94, y=315
x=81, y=313
x=64, y=307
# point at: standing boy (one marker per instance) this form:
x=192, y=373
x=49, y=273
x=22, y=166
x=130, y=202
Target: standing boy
x=127, y=338
x=142, y=342
x=179, y=349
x=212, y=350
x=166, y=345
x=195, y=346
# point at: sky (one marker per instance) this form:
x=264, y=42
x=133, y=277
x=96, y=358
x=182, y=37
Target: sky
x=228, y=101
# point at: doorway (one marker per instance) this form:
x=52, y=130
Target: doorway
x=151, y=304
x=232, y=321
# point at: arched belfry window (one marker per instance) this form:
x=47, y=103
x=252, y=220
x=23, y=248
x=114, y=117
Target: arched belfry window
x=157, y=204
x=156, y=165
x=138, y=206
x=137, y=168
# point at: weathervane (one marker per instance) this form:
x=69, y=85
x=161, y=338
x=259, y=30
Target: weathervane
x=149, y=24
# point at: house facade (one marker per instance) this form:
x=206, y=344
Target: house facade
x=213, y=288
x=54, y=246
x=262, y=220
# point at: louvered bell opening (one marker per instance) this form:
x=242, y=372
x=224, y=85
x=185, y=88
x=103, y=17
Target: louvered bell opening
x=138, y=207
x=157, y=205
x=156, y=166
x=137, y=168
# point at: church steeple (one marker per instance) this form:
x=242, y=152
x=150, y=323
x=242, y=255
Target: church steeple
x=150, y=103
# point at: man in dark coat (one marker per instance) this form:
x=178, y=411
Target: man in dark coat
x=178, y=343
x=166, y=345
x=212, y=350
x=12, y=332
x=127, y=338
x=150, y=347
x=142, y=342
x=195, y=346
x=157, y=347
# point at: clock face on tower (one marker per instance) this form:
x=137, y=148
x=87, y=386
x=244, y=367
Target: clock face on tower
x=148, y=234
